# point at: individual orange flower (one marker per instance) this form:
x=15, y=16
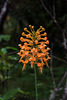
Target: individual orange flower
x=34, y=48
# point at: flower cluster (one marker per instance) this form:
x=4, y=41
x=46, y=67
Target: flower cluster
x=34, y=48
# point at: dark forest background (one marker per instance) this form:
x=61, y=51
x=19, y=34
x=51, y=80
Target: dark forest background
x=15, y=15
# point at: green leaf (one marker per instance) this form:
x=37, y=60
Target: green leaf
x=12, y=58
x=1, y=77
x=5, y=37
x=13, y=48
x=12, y=93
x=1, y=37
x=22, y=91
x=4, y=50
x=7, y=77
x=1, y=98
x=1, y=53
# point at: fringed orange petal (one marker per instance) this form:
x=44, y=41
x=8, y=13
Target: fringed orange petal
x=31, y=64
x=47, y=64
x=39, y=64
x=41, y=69
x=23, y=67
x=20, y=45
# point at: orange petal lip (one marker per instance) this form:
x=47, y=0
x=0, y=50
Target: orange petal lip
x=31, y=64
x=40, y=64
x=19, y=45
x=40, y=54
x=34, y=50
x=26, y=52
x=41, y=69
x=32, y=59
x=25, y=62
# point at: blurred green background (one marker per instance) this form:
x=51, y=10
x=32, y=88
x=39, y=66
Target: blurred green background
x=16, y=84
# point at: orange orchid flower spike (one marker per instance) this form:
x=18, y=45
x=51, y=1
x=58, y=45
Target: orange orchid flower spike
x=34, y=48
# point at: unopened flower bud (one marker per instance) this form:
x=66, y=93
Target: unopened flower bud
x=23, y=33
x=29, y=25
x=41, y=27
x=25, y=29
x=32, y=27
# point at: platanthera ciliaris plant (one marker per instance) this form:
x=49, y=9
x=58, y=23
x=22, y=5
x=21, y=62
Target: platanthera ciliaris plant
x=34, y=49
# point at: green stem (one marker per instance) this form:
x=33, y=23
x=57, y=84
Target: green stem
x=35, y=82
